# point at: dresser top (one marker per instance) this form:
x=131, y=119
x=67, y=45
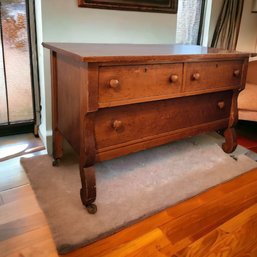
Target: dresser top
x=139, y=52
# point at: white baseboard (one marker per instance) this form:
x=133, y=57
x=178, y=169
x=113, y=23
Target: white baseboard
x=47, y=139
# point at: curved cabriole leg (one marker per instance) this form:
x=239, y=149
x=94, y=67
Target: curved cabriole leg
x=86, y=164
x=230, y=140
x=88, y=190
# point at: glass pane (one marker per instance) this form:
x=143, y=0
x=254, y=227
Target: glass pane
x=17, y=61
x=3, y=103
x=188, y=21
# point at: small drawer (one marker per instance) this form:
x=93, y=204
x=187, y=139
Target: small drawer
x=124, y=84
x=117, y=125
x=213, y=75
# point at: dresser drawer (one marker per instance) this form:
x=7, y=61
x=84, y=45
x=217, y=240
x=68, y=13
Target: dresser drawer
x=122, y=124
x=135, y=83
x=211, y=75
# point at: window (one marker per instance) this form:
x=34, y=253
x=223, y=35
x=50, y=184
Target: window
x=16, y=75
x=189, y=20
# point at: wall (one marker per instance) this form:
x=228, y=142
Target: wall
x=63, y=21
x=247, y=39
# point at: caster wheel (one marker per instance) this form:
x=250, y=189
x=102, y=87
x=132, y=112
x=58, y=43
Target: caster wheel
x=56, y=162
x=91, y=208
x=220, y=132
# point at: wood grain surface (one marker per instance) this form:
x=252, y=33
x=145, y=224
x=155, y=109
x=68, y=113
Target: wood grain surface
x=140, y=52
x=106, y=108
x=154, y=118
x=213, y=75
x=138, y=81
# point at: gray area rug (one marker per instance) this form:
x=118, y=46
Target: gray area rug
x=129, y=188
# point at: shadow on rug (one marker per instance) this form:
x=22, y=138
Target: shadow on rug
x=129, y=188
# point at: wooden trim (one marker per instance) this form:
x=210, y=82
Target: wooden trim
x=147, y=53
x=156, y=140
x=57, y=136
x=195, y=60
x=170, y=6
x=93, y=77
x=54, y=89
x=244, y=74
x=159, y=97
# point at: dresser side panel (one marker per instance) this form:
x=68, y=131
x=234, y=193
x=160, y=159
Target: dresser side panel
x=69, y=100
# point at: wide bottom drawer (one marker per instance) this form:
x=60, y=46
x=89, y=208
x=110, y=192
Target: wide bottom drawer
x=118, y=125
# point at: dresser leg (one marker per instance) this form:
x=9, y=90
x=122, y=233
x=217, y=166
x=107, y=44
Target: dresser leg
x=230, y=134
x=230, y=140
x=88, y=190
x=57, y=147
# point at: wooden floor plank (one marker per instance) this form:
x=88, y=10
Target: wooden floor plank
x=17, y=193
x=210, y=215
x=18, y=209
x=22, y=225
x=34, y=243
x=212, y=194
x=155, y=236
x=17, y=145
x=237, y=237
x=12, y=174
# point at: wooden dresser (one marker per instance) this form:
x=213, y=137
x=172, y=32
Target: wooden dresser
x=111, y=100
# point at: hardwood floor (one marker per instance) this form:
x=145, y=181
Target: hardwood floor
x=218, y=222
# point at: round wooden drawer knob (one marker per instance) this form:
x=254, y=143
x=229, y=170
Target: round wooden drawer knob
x=196, y=76
x=117, y=124
x=236, y=73
x=221, y=104
x=173, y=78
x=114, y=83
